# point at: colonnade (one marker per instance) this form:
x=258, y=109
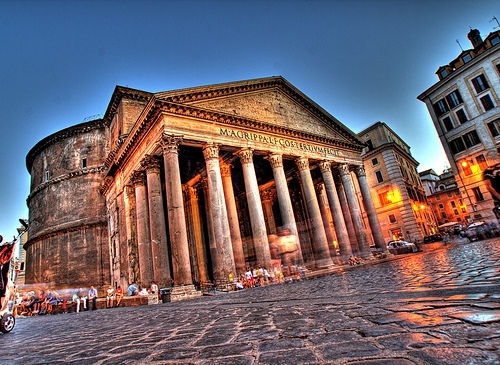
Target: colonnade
x=222, y=226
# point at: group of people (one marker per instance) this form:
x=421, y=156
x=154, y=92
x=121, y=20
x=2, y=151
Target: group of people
x=31, y=303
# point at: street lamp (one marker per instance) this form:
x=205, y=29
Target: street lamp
x=466, y=167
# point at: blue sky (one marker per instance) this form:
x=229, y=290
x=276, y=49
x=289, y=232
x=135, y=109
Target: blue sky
x=361, y=60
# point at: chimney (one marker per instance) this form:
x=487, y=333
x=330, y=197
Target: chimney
x=474, y=37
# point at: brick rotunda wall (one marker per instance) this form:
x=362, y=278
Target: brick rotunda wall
x=68, y=241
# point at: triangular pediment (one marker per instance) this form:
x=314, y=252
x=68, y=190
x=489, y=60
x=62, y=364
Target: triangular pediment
x=272, y=101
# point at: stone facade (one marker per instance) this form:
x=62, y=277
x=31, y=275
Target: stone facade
x=399, y=196
x=187, y=185
x=465, y=108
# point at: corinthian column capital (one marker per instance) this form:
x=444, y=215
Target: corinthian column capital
x=225, y=169
x=150, y=162
x=344, y=170
x=211, y=151
x=302, y=163
x=245, y=155
x=360, y=171
x=325, y=166
x=275, y=159
x=170, y=143
x=137, y=178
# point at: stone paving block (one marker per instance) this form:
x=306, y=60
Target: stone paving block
x=280, y=344
x=479, y=317
x=381, y=330
x=454, y=356
x=383, y=361
x=406, y=341
x=298, y=356
x=354, y=349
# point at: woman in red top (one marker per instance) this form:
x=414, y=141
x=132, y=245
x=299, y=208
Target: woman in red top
x=118, y=295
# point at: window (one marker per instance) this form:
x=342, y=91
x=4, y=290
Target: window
x=467, y=169
x=462, y=118
x=455, y=211
x=441, y=206
x=494, y=127
x=369, y=144
x=443, y=214
x=449, y=194
x=495, y=40
x=464, y=210
x=457, y=145
x=392, y=218
x=477, y=194
x=453, y=204
x=471, y=138
x=443, y=73
x=480, y=83
x=47, y=176
x=448, y=125
x=481, y=161
x=374, y=161
x=84, y=162
x=466, y=58
x=487, y=103
x=454, y=99
x=379, y=176
x=438, y=197
x=440, y=107
x=383, y=199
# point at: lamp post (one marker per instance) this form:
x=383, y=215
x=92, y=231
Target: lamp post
x=465, y=165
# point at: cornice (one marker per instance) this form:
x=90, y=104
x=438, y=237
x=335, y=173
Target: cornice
x=120, y=93
x=60, y=136
x=71, y=175
x=32, y=240
x=163, y=106
x=222, y=90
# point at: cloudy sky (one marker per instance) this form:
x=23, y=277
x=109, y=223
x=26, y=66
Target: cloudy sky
x=361, y=60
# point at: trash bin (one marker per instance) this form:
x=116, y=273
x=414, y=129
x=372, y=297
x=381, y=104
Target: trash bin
x=165, y=295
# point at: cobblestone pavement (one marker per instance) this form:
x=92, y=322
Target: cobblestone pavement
x=441, y=306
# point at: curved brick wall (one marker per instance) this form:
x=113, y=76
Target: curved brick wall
x=68, y=241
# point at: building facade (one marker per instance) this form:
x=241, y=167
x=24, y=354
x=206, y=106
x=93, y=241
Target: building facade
x=398, y=193
x=185, y=187
x=444, y=197
x=465, y=108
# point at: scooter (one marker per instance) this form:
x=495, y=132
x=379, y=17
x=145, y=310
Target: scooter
x=7, y=319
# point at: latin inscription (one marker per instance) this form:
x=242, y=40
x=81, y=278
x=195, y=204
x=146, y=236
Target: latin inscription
x=282, y=142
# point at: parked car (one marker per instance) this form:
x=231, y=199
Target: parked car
x=478, y=231
x=398, y=247
x=433, y=238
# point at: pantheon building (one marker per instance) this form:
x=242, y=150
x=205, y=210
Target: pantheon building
x=186, y=186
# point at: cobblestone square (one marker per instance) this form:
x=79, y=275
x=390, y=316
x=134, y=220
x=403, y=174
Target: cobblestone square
x=440, y=306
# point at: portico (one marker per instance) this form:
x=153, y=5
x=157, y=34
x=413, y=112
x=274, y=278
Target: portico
x=218, y=169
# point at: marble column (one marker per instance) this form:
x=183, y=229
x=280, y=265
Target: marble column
x=232, y=217
x=146, y=274
x=132, y=259
x=357, y=218
x=326, y=217
x=196, y=230
x=346, y=212
x=157, y=228
x=222, y=235
x=266, y=196
x=378, y=238
x=210, y=222
x=320, y=244
x=336, y=209
x=284, y=199
x=261, y=244
x=175, y=207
